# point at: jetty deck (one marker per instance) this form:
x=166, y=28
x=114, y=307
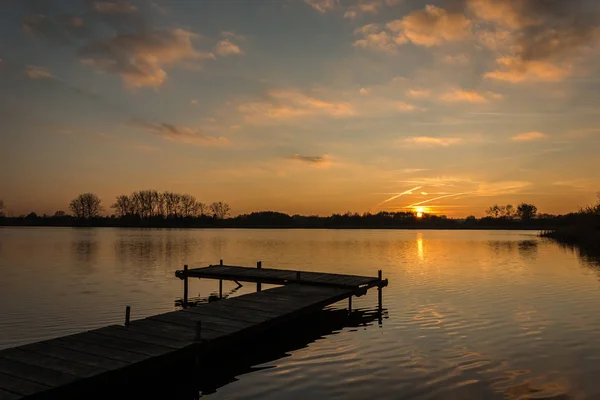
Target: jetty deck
x=71, y=365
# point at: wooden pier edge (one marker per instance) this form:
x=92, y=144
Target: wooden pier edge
x=70, y=366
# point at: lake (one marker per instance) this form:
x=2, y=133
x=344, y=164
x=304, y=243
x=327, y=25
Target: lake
x=469, y=314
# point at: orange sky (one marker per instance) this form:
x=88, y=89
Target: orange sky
x=302, y=106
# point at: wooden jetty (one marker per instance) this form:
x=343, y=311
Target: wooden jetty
x=73, y=365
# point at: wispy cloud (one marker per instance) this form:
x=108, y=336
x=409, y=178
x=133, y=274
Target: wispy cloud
x=35, y=72
x=324, y=159
x=418, y=93
x=529, y=136
x=323, y=6
x=182, y=134
x=226, y=48
x=289, y=104
x=468, y=96
x=428, y=141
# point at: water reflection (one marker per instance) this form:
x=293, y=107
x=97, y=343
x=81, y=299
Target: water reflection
x=527, y=249
x=84, y=248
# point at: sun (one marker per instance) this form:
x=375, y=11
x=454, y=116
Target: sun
x=420, y=211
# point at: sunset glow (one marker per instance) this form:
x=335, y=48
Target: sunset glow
x=300, y=106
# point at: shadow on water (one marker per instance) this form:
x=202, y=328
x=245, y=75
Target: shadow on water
x=226, y=365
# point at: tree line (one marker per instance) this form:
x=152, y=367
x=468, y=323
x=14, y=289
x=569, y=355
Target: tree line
x=149, y=204
x=151, y=208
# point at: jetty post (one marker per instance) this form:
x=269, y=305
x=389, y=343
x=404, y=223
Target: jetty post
x=258, y=284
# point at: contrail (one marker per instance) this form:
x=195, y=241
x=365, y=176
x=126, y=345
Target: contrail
x=409, y=191
x=436, y=198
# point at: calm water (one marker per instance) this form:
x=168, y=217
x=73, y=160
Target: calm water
x=470, y=315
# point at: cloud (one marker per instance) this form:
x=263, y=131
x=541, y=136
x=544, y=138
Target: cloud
x=467, y=96
x=427, y=141
x=364, y=7
x=529, y=137
x=182, y=134
x=114, y=7
x=139, y=59
x=290, y=104
x=429, y=27
x=364, y=91
x=457, y=59
x=35, y=72
x=515, y=70
x=418, y=93
x=540, y=40
x=317, y=160
x=226, y=47
x=323, y=6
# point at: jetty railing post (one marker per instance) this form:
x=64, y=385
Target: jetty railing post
x=127, y=315
x=220, y=262
x=220, y=288
x=185, y=286
x=198, y=330
x=350, y=304
x=379, y=291
x=258, y=284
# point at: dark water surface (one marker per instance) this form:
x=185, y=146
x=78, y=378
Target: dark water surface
x=470, y=314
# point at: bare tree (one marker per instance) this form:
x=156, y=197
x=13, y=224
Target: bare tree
x=86, y=205
x=123, y=206
x=219, y=209
x=493, y=211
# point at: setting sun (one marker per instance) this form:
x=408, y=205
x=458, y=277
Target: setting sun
x=420, y=211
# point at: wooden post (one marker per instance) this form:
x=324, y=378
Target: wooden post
x=220, y=262
x=220, y=288
x=198, y=330
x=350, y=304
x=380, y=291
x=297, y=275
x=258, y=284
x=185, y=286
x=127, y=315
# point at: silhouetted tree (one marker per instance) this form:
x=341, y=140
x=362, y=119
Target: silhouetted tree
x=493, y=211
x=219, y=209
x=86, y=206
x=526, y=211
x=1, y=208
x=123, y=206
x=60, y=214
x=593, y=209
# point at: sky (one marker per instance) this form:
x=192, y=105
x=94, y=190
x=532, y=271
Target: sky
x=302, y=106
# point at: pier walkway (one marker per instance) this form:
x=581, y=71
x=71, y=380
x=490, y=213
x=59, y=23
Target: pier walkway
x=70, y=365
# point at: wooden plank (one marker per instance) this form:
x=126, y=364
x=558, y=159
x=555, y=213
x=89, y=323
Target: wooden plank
x=164, y=329
x=35, y=373
x=244, y=314
x=208, y=320
x=74, y=356
x=6, y=395
x=74, y=344
x=21, y=386
x=191, y=319
x=133, y=346
x=228, y=312
x=208, y=332
x=124, y=333
x=57, y=364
